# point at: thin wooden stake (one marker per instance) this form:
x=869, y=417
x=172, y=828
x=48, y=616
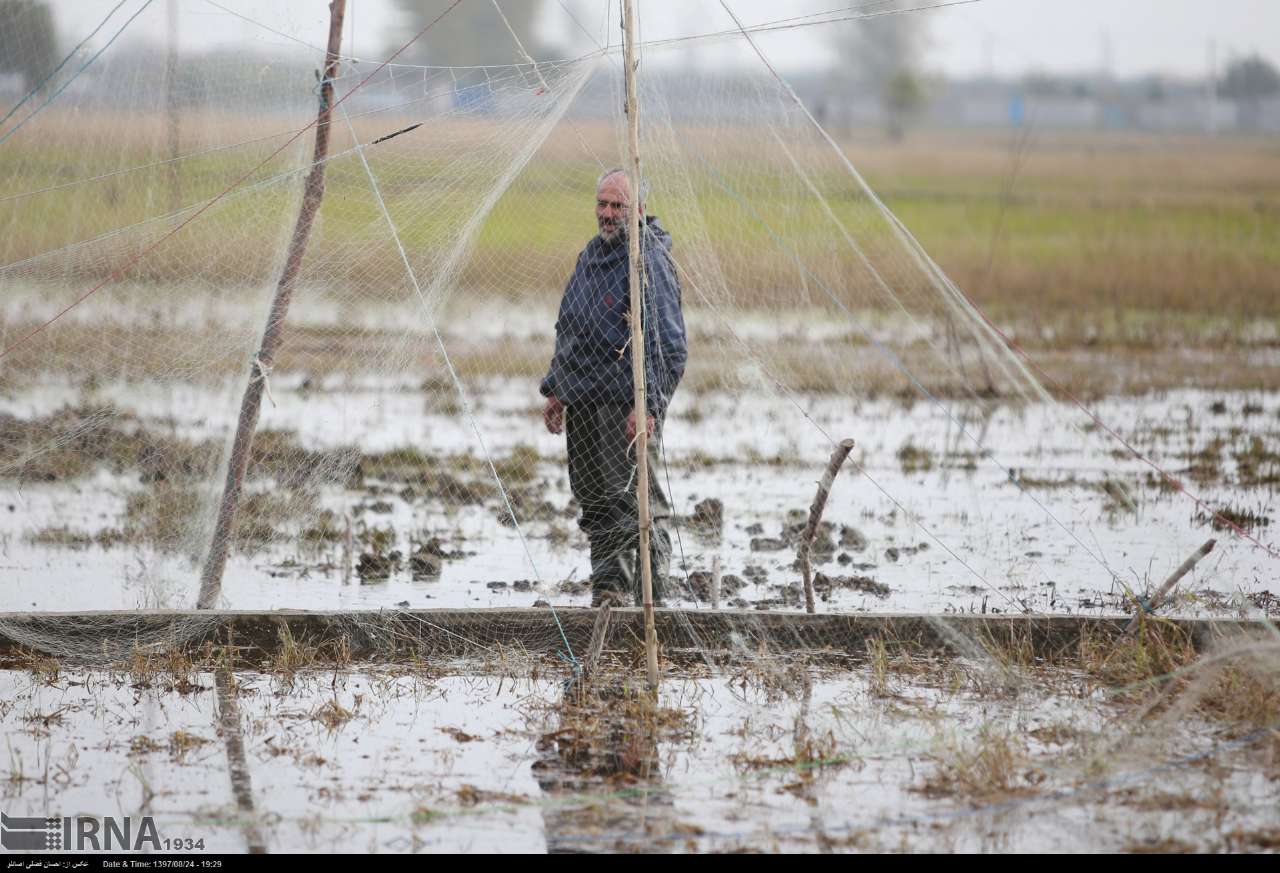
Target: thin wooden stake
x=715, y=581
x=815, y=517
x=348, y=549
x=1163, y=590
x=635, y=277
x=599, y=634
x=251, y=404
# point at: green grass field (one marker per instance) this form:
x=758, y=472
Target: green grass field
x=1116, y=231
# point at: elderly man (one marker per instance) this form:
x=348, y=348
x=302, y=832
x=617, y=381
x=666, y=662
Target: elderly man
x=590, y=391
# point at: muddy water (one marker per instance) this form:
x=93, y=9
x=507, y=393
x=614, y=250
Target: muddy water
x=956, y=507
x=377, y=762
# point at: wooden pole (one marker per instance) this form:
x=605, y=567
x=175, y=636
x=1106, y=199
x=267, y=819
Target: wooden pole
x=171, y=107
x=815, y=517
x=635, y=278
x=1158, y=597
x=251, y=404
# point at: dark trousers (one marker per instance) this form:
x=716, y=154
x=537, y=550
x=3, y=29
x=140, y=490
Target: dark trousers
x=602, y=475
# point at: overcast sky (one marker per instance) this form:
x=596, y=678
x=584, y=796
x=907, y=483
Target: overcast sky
x=1008, y=37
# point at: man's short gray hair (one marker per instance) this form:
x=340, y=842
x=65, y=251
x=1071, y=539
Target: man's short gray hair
x=644, y=185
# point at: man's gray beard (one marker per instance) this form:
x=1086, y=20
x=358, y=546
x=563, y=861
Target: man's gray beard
x=619, y=235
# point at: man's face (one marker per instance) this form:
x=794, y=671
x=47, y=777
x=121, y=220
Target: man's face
x=613, y=207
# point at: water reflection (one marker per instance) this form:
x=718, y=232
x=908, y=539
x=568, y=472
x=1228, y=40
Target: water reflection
x=600, y=769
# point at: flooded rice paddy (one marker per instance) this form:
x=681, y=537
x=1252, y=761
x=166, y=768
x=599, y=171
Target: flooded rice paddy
x=890, y=756
x=951, y=506
x=376, y=492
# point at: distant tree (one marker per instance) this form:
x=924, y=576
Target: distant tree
x=903, y=96
x=1048, y=85
x=28, y=42
x=472, y=34
x=884, y=54
x=1249, y=78
x=1043, y=85
x=1249, y=81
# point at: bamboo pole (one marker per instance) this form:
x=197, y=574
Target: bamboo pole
x=635, y=279
x=251, y=404
x=1158, y=598
x=815, y=517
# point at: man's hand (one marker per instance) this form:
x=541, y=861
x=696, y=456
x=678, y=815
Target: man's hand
x=631, y=425
x=553, y=414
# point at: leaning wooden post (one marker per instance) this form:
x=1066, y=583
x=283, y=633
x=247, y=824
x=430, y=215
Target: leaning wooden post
x=815, y=517
x=1158, y=598
x=251, y=404
x=635, y=278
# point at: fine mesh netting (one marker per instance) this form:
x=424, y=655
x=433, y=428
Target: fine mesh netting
x=457, y=278
x=442, y=474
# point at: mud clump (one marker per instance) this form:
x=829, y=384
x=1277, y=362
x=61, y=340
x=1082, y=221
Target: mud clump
x=67, y=537
x=708, y=516
x=161, y=516
x=278, y=455
x=427, y=559
x=425, y=565
x=852, y=539
x=914, y=459
x=700, y=583
x=573, y=587
x=527, y=506
x=893, y=553
x=824, y=542
x=797, y=523
x=433, y=476
x=326, y=529
x=825, y=585
x=520, y=467
x=377, y=567
x=1231, y=517
x=74, y=441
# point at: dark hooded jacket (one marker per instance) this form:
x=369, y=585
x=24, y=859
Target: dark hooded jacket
x=592, y=361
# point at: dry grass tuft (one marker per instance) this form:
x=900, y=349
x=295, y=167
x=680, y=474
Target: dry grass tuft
x=610, y=730
x=332, y=714
x=1153, y=654
x=993, y=764
x=1241, y=691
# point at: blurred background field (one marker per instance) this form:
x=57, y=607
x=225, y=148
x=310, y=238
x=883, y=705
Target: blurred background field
x=1138, y=248
x=1122, y=227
